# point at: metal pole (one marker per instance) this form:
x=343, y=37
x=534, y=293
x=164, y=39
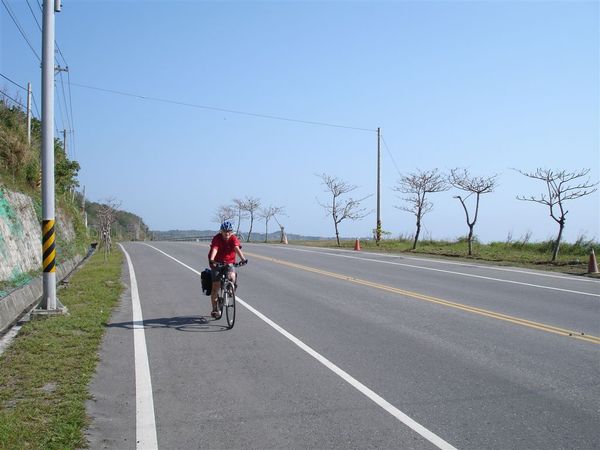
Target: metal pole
x=65, y=142
x=378, y=229
x=48, y=214
x=29, y=114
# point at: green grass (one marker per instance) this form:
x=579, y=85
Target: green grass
x=44, y=374
x=573, y=257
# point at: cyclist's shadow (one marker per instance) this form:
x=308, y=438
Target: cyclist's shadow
x=179, y=323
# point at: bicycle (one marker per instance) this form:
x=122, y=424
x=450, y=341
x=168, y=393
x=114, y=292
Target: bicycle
x=226, y=295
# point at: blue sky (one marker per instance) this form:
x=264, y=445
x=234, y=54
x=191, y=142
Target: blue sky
x=489, y=86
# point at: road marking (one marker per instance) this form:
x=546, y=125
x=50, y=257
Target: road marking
x=573, y=278
x=461, y=273
x=145, y=424
x=380, y=401
x=480, y=311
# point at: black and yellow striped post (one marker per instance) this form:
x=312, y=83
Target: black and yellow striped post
x=48, y=246
x=49, y=301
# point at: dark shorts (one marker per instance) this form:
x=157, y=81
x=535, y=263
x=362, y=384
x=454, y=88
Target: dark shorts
x=216, y=272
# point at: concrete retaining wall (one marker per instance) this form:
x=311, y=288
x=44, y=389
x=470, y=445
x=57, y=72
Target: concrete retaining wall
x=20, y=235
x=21, y=300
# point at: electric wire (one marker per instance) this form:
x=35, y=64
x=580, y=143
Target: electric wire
x=35, y=106
x=16, y=22
x=40, y=28
x=67, y=111
x=62, y=116
x=34, y=16
x=10, y=98
x=72, y=117
x=231, y=111
x=64, y=97
x=391, y=156
x=16, y=84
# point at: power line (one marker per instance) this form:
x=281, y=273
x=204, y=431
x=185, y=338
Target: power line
x=390, y=153
x=40, y=28
x=231, y=111
x=64, y=96
x=16, y=22
x=9, y=97
x=34, y=16
x=35, y=105
x=73, y=147
x=16, y=84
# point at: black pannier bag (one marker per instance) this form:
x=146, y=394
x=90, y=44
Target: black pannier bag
x=206, y=278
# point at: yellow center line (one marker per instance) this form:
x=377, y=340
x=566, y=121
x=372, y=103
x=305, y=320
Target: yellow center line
x=483, y=312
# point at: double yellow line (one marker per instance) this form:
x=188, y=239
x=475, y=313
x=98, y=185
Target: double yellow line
x=439, y=301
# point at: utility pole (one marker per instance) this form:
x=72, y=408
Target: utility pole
x=378, y=229
x=49, y=301
x=29, y=114
x=65, y=142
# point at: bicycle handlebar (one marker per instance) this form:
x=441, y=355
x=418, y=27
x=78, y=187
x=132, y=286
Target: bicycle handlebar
x=220, y=264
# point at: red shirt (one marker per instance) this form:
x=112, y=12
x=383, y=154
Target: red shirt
x=225, y=248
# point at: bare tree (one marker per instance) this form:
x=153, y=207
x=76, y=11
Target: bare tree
x=283, y=237
x=241, y=214
x=461, y=179
x=268, y=213
x=418, y=185
x=107, y=215
x=250, y=205
x=223, y=213
x=338, y=208
x=560, y=189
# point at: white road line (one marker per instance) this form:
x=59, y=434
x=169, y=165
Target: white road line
x=573, y=278
x=539, y=286
x=402, y=417
x=145, y=424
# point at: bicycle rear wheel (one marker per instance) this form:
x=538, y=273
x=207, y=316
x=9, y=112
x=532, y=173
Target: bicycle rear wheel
x=229, y=305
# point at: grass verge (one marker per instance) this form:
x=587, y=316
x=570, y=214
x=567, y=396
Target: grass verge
x=44, y=374
x=572, y=259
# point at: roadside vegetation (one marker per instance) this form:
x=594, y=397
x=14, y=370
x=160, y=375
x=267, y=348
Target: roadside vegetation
x=573, y=257
x=20, y=171
x=44, y=374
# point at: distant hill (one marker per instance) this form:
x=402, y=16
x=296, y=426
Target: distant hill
x=128, y=226
x=255, y=237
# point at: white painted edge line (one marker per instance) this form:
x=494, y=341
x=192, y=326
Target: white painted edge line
x=539, y=286
x=333, y=251
x=145, y=423
x=406, y=420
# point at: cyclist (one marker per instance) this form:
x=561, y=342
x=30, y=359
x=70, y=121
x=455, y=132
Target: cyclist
x=223, y=248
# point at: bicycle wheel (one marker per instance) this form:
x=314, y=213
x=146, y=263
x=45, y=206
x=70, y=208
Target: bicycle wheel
x=229, y=304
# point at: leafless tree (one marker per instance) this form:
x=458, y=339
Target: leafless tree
x=283, y=237
x=250, y=205
x=107, y=215
x=240, y=212
x=338, y=208
x=223, y=213
x=461, y=179
x=561, y=187
x=268, y=213
x=418, y=185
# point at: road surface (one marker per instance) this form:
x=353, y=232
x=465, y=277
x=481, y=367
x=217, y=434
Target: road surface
x=343, y=349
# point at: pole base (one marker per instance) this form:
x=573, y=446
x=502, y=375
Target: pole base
x=40, y=313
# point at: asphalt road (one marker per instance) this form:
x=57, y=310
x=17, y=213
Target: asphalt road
x=342, y=349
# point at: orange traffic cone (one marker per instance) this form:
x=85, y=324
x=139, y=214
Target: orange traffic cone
x=357, y=245
x=592, y=265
